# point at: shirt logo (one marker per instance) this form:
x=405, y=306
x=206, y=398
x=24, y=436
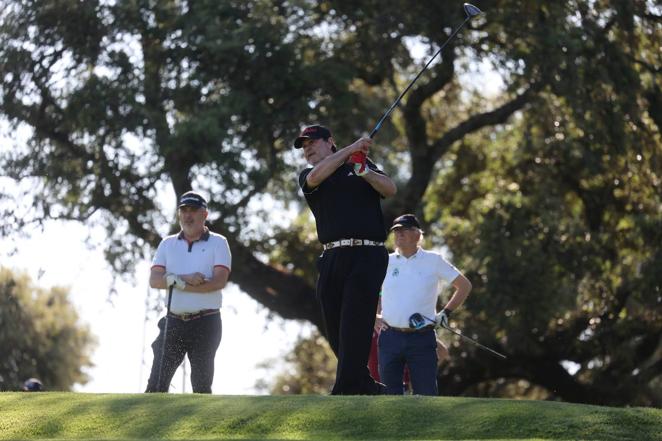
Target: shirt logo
x=395, y=272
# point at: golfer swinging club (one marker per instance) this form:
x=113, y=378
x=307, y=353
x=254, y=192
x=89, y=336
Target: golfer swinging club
x=194, y=266
x=345, y=197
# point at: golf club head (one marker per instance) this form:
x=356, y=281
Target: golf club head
x=471, y=10
x=416, y=321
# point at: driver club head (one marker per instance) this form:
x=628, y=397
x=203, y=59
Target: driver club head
x=471, y=10
x=416, y=321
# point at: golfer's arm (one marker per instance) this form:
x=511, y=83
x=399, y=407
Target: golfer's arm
x=218, y=281
x=156, y=279
x=381, y=183
x=326, y=167
x=462, y=287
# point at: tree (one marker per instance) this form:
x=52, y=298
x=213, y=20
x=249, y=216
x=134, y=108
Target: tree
x=40, y=336
x=309, y=369
x=560, y=221
x=125, y=98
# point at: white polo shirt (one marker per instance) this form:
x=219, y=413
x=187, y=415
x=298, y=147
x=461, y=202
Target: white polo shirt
x=413, y=284
x=178, y=256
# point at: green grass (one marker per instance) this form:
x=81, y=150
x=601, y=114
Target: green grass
x=193, y=417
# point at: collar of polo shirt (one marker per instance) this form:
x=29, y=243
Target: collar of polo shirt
x=205, y=235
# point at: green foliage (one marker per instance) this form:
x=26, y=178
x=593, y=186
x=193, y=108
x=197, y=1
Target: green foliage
x=40, y=336
x=309, y=369
x=167, y=416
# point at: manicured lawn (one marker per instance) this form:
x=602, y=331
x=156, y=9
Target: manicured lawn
x=193, y=417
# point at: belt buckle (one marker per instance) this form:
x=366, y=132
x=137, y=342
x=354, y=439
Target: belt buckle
x=356, y=242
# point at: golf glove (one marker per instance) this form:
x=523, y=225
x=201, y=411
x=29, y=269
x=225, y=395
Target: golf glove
x=442, y=318
x=174, y=279
x=358, y=161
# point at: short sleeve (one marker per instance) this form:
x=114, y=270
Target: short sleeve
x=445, y=270
x=222, y=255
x=302, y=181
x=160, y=255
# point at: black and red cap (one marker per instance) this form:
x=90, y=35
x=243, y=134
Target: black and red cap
x=406, y=221
x=312, y=132
x=192, y=199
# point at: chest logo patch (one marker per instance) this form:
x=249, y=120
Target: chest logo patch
x=395, y=272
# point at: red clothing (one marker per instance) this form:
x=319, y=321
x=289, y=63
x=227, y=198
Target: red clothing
x=373, y=360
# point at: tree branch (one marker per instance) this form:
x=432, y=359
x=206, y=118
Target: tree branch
x=281, y=292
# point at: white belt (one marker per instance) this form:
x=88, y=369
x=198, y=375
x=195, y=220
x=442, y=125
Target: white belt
x=352, y=243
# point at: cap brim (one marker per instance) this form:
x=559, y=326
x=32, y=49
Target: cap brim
x=405, y=226
x=299, y=141
x=194, y=205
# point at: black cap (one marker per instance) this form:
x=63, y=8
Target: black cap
x=192, y=199
x=406, y=221
x=312, y=132
x=32, y=385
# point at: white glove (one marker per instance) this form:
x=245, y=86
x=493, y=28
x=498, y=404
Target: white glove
x=442, y=318
x=174, y=279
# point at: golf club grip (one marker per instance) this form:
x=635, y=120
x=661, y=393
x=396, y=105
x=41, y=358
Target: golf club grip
x=399, y=98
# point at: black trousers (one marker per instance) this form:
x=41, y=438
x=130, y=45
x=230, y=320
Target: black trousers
x=199, y=338
x=348, y=291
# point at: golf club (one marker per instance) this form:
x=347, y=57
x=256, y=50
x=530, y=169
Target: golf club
x=417, y=321
x=498, y=354
x=470, y=11
x=165, y=337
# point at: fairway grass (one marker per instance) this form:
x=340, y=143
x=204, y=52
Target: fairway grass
x=70, y=416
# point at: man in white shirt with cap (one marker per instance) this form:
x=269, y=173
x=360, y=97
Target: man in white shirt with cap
x=193, y=266
x=411, y=287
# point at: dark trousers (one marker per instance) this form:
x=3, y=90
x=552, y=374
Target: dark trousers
x=418, y=350
x=199, y=338
x=348, y=291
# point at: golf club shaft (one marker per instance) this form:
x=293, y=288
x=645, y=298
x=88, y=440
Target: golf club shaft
x=395, y=103
x=165, y=337
x=474, y=342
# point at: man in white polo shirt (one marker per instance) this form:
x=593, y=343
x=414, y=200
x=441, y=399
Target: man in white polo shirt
x=196, y=264
x=412, y=286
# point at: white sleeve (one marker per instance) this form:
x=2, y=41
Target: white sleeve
x=222, y=255
x=160, y=256
x=446, y=270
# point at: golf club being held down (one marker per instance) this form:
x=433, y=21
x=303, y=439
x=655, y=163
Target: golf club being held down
x=165, y=339
x=418, y=321
x=359, y=158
